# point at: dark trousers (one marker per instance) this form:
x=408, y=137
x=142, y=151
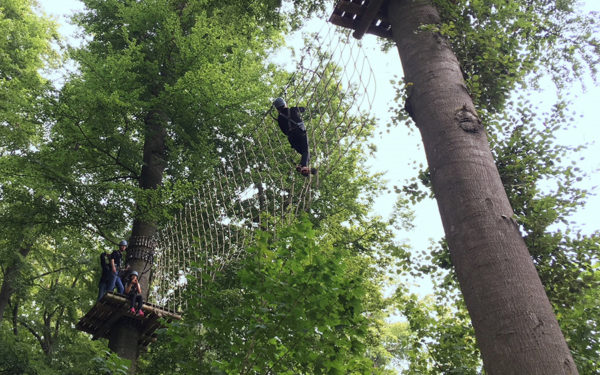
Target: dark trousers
x=299, y=142
x=102, y=288
x=136, y=301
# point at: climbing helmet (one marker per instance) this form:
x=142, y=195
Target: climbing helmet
x=279, y=102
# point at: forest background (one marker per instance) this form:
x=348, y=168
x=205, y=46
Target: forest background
x=405, y=344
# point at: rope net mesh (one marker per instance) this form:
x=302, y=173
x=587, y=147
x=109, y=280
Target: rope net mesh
x=256, y=185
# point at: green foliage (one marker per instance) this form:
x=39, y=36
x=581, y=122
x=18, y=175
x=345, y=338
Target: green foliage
x=531, y=163
x=500, y=44
x=579, y=319
x=27, y=206
x=185, y=63
x=437, y=337
x=110, y=364
x=306, y=299
x=25, y=49
x=294, y=304
x=56, y=285
x=503, y=46
x=14, y=355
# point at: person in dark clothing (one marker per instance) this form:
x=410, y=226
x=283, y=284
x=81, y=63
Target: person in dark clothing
x=133, y=291
x=105, y=276
x=115, y=264
x=291, y=124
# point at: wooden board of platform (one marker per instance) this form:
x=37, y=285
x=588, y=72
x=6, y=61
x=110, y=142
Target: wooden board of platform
x=362, y=16
x=113, y=307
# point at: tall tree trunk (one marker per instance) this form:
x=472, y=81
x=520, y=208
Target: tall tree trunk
x=10, y=275
x=515, y=326
x=125, y=337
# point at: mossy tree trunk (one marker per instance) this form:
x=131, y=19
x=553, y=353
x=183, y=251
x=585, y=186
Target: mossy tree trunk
x=125, y=336
x=514, y=323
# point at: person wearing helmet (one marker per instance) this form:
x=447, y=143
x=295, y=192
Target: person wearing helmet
x=115, y=259
x=133, y=291
x=291, y=124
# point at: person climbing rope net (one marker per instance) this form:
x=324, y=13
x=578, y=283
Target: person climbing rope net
x=291, y=124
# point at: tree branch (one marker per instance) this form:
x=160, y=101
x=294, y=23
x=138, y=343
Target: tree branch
x=34, y=333
x=104, y=152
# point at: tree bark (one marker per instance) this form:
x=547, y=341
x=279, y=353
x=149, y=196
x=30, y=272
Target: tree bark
x=10, y=275
x=514, y=323
x=125, y=337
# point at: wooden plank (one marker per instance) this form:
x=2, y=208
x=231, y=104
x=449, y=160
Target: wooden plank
x=111, y=307
x=161, y=312
x=380, y=32
x=366, y=18
x=341, y=21
x=348, y=7
x=103, y=330
x=121, y=301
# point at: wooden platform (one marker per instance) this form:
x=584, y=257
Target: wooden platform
x=113, y=307
x=362, y=16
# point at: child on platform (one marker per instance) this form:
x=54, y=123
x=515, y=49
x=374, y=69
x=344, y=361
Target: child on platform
x=133, y=291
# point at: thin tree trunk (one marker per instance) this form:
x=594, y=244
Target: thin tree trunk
x=515, y=326
x=10, y=275
x=125, y=337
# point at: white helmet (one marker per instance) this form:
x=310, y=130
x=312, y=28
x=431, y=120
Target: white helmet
x=279, y=102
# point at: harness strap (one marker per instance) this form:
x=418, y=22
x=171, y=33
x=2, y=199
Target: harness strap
x=289, y=119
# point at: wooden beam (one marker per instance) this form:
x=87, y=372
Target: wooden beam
x=161, y=313
x=380, y=32
x=366, y=19
x=348, y=7
x=341, y=21
x=124, y=302
x=106, y=326
x=111, y=307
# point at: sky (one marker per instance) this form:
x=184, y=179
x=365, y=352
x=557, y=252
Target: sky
x=399, y=149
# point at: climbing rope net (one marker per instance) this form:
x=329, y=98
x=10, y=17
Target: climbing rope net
x=256, y=185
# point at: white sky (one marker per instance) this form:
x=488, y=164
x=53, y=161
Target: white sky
x=398, y=149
